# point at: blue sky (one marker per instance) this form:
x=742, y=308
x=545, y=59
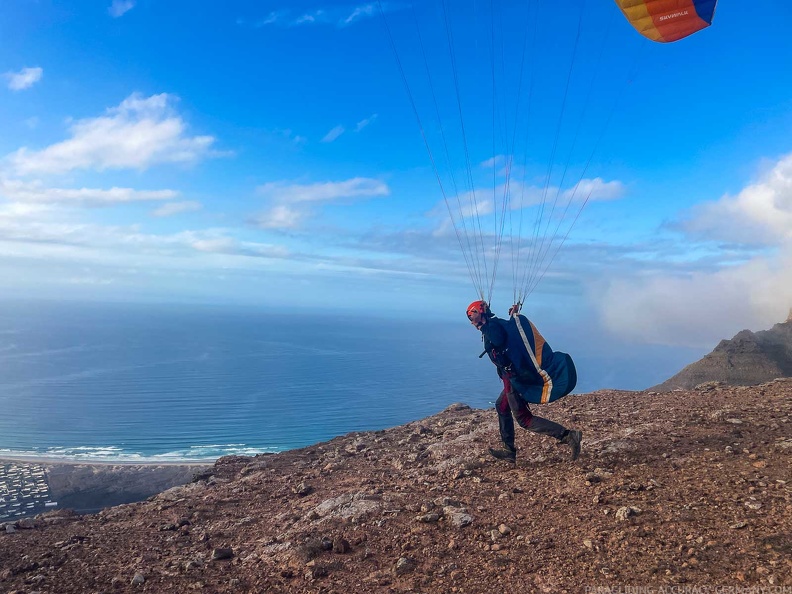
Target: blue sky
x=267, y=153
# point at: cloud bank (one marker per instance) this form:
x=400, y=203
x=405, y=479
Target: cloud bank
x=691, y=308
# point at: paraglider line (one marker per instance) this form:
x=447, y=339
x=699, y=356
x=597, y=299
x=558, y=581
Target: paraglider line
x=476, y=285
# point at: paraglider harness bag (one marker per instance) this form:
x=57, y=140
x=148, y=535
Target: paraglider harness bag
x=534, y=384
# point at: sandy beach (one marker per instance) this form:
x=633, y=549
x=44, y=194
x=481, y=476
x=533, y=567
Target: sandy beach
x=31, y=485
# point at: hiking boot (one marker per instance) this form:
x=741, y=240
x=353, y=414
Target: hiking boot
x=505, y=455
x=573, y=439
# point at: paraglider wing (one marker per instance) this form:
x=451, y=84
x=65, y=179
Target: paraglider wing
x=668, y=20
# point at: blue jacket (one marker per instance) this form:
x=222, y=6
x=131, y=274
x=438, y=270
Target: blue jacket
x=539, y=374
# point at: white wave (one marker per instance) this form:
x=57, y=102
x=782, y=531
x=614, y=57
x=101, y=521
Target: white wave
x=195, y=453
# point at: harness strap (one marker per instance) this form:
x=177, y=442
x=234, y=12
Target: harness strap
x=547, y=388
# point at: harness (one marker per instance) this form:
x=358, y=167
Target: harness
x=500, y=359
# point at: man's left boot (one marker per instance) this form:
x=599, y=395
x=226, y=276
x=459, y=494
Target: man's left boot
x=573, y=439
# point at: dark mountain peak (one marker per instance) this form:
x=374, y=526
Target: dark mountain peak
x=749, y=358
x=743, y=340
x=746, y=335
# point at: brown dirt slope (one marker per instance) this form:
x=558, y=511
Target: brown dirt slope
x=686, y=488
x=749, y=358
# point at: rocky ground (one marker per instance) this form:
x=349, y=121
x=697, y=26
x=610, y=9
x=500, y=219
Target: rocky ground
x=685, y=489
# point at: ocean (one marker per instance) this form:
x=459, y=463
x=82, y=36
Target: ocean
x=155, y=382
x=135, y=382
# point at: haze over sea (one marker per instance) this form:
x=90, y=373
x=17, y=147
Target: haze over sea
x=173, y=382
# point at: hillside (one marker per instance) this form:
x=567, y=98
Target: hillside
x=689, y=487
x=749, y=358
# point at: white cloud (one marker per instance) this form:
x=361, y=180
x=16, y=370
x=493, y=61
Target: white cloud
x=478, y=206
x=32, y=122
x=523, y=196
x=761, y=213
x=291, y=203
x=333, y=134
x=24, y=79
x=283, y=18
x=35, y=191
x=217, y=243
x=139, y=133
x=309, y=18
x=480, y=202
x=358, y=187
x=18, y=211
x=594, y=190
x=360, y=12
x=172, y=208
x=281, y=216
x=586, y=190
x=289, y=135
x=339, y=16
x=49, y=234
x=496, y=161
x=120, y=7
x=693, y=309
x=40, y=225
x=502, y=163
x=365, y=122
x=273, y=17
x=89, y=280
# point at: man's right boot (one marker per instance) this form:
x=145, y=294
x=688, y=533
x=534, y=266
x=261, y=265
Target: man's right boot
x=507, y=454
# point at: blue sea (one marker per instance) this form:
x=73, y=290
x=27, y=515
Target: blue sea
x=172, y=382
x=152, y=382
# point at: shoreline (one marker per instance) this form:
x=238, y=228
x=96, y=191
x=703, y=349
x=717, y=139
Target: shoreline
x=51, y=461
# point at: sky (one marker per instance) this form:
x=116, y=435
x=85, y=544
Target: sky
x=281, y=154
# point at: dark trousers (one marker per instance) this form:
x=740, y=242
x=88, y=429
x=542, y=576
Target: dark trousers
x=511, y=406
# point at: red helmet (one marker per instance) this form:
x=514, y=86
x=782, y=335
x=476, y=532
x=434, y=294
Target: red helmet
x=479, y=307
